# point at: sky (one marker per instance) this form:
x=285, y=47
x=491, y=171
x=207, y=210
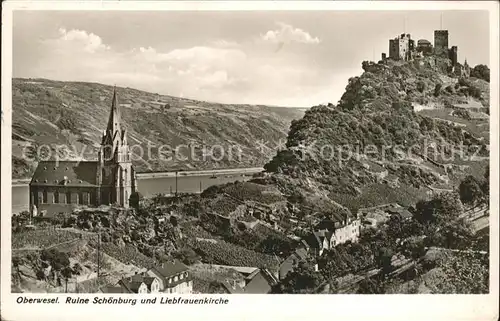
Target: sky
x=281, y=58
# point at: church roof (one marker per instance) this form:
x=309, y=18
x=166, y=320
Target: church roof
x=67, y=173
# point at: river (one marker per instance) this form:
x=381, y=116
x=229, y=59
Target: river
x=151, y=184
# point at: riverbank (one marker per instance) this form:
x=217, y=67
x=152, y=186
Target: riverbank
x=21, y=182
x=212, y=172
x=147, y=175
x=151, y=184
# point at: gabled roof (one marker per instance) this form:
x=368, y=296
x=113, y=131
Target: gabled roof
x=260, y=283
x=134, y=282
x=252, y=275
x=112, y=289
x=290, y=262
x=65, y=173
x=148, y=280
x=236, y=289
x=130, y=285
x=301, y=253
x=171, y=268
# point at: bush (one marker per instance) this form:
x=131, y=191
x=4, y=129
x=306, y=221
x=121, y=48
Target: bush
x=470, y=190
x=58, y=260
x=421, y=86
x=437, y=90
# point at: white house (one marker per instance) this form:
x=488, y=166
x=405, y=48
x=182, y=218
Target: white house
x=173, y=277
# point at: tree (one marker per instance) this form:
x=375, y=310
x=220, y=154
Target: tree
x=481, y=72
x=66, y=273
x=470, y=190
x=414, y=247
x=274, y=245
x=173, y=221
x=456, y=234
x=437, y=90
x=421, y=86
x=442, y=207
x=187, y=255
x=384, y=260
x=303, y=279
x=135, y=199
x=58, y=260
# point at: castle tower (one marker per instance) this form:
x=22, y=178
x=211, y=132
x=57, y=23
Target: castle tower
x=453, y=55
x=441, y=43
x=400, y=47
x=116, y=176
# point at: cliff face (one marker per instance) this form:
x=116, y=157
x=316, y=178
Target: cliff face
x=74, y=114
x=394, y=134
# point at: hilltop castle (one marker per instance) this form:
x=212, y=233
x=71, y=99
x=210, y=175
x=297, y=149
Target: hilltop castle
x=403, y=48
x=60, y=186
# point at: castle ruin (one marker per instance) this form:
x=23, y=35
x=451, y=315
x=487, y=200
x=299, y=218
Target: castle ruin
x=403, y=48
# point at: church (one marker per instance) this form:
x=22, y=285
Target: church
x=61, y=186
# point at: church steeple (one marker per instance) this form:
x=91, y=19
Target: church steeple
x=114, y=116
x=114, y=142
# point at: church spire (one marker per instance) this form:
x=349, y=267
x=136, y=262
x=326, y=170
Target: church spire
x=114, y=116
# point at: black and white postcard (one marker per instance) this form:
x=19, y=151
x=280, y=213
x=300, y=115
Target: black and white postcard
x=333, y=160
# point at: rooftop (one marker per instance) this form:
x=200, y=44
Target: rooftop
x=65, y=173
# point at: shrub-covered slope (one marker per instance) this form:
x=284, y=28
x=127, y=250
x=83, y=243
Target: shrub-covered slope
x=382, y=142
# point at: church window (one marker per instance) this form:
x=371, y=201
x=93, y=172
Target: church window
x=68, y=197
x=56, y=197
x=44, y=197
x=85, y=198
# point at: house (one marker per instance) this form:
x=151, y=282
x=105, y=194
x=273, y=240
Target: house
x=260, y=281
x=138, y=283
x=292, y=261
x=135, y=285
x=173, y=277
x=112, y=289
x=401, y=212
x=377, y=215
x=334, y=230
x=232, y=287
x=60, y=186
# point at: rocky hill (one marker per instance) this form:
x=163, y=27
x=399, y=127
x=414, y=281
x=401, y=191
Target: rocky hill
x=74, y=114
x=400, y=130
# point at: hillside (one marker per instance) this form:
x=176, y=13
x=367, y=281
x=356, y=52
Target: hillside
x=74, y=114
x=395, y=135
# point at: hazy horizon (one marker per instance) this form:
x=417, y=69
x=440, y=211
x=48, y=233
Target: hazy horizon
x=282, y=59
